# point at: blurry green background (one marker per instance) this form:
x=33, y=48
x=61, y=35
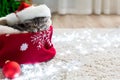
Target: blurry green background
x=9, y=6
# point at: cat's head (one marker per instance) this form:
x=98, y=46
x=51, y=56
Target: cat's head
x=37, y=24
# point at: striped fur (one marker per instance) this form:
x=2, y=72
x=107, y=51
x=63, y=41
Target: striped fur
x=33, y=25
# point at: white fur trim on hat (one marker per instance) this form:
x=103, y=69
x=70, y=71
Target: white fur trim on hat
x=12, y=19
x=34, y=11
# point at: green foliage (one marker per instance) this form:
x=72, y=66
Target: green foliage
x=8, y=6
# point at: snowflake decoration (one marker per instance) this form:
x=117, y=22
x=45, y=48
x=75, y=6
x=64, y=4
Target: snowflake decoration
x=40, y=38
x=24, y=47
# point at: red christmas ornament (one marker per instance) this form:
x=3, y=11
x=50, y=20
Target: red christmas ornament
x=11, y=69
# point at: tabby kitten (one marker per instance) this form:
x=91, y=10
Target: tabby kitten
x=32, y=25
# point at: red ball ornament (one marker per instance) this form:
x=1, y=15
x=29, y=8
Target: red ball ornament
x=11, y=69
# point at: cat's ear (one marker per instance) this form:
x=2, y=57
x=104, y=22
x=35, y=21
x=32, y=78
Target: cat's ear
x=3, y=22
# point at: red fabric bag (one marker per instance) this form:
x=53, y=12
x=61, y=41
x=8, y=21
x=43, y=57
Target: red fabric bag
x=27, y=48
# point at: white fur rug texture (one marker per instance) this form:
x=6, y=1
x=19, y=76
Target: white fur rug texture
x=82, y=54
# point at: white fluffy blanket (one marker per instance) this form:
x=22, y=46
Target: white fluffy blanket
x=82, y=54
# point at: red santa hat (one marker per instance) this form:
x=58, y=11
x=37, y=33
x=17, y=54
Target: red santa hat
x=28, y=13
x=22, y=6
